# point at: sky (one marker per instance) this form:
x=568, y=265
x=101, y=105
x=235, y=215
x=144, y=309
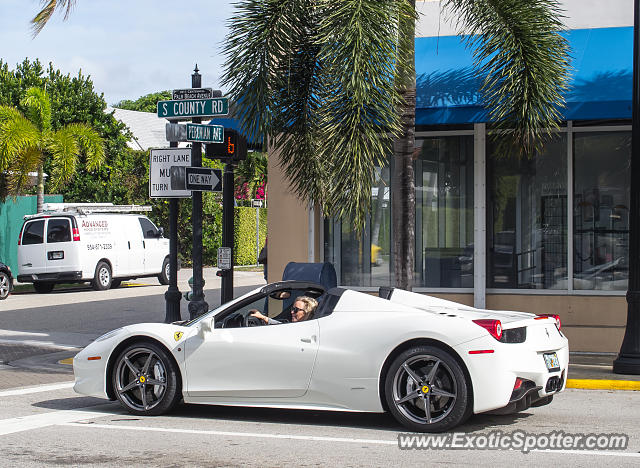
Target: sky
x=129, y=48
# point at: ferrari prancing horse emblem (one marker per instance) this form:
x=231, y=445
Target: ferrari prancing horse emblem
x=178, y=335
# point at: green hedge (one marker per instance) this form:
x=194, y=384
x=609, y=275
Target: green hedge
x=245, y=234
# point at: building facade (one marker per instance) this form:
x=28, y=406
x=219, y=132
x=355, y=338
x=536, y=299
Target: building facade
x=545, y=235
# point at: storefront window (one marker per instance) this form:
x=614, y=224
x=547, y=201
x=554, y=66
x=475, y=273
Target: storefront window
x=527, y=219
x=601, y=210
x=363, y=259
x=444, y=212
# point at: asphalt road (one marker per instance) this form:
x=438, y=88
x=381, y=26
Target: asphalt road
x=56, y=427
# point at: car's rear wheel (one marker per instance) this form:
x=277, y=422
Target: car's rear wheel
x=145, y=380
x=163, y=277
x=43, y=287
x=5, y=285
x=102, y=279
x=426, y=390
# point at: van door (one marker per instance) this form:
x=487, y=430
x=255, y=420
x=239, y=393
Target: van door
x=155, y=246
x=31, y=251
x=134, y=246
x=61, y=254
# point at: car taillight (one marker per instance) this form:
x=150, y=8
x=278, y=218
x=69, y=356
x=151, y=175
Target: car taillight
x=20, y=236
x=494, y=327
x=76, y=234
x=553, y=316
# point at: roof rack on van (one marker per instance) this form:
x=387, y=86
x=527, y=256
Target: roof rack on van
x=85, y=208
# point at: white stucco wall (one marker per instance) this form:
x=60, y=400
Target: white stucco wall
x=580, y=14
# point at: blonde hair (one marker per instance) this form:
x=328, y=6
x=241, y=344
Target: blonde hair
x=310, y=305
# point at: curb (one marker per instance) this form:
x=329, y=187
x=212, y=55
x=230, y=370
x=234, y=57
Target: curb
x=597, y=384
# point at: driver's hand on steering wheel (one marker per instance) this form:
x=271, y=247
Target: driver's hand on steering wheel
x=257, y=314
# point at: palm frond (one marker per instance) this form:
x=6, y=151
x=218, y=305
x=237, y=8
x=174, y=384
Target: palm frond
x=16, y=134
x=38, y=108
x=518, y=47
x=64, y=148
x=90, y=144
x=26, y=161
x=48, y=8
x=259, y=38
x=358, y=115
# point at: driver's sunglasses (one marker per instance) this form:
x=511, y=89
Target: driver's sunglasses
x=296, y=309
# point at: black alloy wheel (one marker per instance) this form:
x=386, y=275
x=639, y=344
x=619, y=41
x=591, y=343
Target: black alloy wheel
x=145, y=380
x=426, y=390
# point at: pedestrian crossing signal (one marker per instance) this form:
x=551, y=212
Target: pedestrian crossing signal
x=232, y=149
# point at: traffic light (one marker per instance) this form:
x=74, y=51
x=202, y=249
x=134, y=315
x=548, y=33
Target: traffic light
x=232, y=149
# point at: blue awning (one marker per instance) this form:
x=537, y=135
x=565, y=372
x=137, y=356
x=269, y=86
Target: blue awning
x=600, y=84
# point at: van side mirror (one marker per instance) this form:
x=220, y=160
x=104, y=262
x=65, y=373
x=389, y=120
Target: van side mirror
x=160, y=232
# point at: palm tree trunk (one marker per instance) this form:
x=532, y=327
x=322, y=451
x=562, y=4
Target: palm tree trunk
x=403, y=184
x=40, y=196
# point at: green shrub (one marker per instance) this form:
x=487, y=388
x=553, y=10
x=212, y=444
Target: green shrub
x=245, y=234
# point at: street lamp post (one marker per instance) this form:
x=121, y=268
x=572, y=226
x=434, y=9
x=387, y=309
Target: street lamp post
x=628, y=361
x=197, y=306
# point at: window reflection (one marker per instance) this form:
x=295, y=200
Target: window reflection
x=363, y=259
x=444, y=212
x=527, y=219
x=600, y=210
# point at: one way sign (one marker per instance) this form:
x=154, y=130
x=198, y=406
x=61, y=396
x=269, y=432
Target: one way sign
x=203, y=178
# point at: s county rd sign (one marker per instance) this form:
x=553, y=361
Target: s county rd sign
x=204, y=178
x=185, y=109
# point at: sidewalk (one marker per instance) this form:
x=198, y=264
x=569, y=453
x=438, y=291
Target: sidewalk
x=595, y=372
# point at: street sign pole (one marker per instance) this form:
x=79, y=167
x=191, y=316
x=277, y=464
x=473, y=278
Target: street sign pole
x=197, y=305
x=172, y=296
x=226, y=293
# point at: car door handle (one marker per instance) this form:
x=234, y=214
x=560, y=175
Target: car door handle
x=305, y=340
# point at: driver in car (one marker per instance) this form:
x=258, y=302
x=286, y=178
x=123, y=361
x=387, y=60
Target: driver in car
x=302, y=309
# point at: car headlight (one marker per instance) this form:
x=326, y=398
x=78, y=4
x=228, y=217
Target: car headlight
x=109, y=334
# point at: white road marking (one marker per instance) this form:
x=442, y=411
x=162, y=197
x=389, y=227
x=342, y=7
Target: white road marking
x=233, y=434
x=37, y=421
x=315, y=438
x=36, y=389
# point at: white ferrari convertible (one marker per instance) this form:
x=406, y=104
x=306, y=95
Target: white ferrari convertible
x=431, y=363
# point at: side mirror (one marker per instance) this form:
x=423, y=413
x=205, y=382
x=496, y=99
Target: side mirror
x=206, y=326
x=160, y=232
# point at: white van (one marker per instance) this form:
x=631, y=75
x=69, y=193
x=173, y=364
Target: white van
x=98, y=243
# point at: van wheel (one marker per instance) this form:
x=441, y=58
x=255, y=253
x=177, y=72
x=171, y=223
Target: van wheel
x=5, y=285
x=115, y=283
x=102, y=280
x=163, y=277
x=42, y=287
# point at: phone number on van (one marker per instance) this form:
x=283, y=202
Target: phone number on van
x=99, y=246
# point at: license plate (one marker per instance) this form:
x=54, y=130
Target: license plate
x=57, y=255
x=552, y=362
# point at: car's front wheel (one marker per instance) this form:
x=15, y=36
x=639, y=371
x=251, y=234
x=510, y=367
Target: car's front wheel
x=426, y=390
x=145, y=380
x=5, y=285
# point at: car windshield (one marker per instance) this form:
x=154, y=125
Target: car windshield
x=220, y=308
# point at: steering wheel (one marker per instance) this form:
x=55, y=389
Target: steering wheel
x=250, y=321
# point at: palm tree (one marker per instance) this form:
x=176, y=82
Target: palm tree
x=332, y=85
x=25, y=142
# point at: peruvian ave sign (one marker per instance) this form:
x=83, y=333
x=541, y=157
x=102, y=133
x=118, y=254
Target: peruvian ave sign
x=187, y=108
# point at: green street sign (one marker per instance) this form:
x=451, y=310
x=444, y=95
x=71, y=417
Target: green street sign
x=205, y=133
x=185, y=109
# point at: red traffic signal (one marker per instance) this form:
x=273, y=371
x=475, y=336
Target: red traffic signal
x=232, y=149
